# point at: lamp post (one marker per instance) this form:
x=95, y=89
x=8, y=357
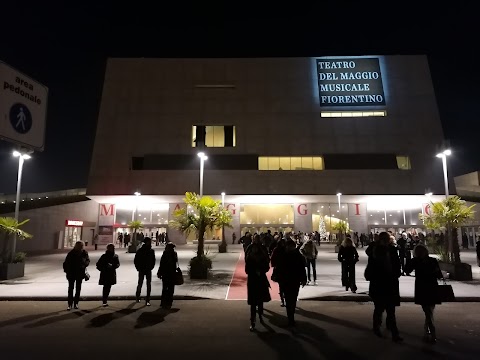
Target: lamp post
x=443, y=155
x=137, y=194
x=22, y=156
x=223, y=226
x=339, y=195
x=202, y=157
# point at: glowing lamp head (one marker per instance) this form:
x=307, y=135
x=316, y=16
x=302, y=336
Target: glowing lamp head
x=136, y=193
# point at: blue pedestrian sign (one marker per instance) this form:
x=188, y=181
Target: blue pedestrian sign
x=23, y=109
x=20, y=118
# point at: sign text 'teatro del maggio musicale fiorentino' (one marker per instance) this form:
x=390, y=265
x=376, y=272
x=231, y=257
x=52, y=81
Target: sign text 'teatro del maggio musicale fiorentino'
x=350, y=82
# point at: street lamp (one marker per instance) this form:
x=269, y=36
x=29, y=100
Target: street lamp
x=443, y=155
x=137, y=194
x=339, y=195
x=202, y=157
x=223, y=226
x=22, y=156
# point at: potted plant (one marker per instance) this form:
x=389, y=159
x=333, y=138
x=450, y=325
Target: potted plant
x=206, y=213
x=134, y=226
x=12, y=264
x=342, y=229
x=448, y=215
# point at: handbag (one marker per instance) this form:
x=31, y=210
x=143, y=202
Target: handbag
x=445, y=292
x=178, y=277
x=87, y=276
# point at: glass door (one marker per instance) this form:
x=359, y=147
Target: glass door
x=71, y=236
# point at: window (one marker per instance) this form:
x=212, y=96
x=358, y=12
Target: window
x=290, y=163
x=352, y=113
x=213, y=136
x=403, y=163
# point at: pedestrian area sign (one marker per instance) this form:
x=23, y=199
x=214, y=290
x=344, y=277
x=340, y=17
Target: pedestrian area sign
x=23, y=109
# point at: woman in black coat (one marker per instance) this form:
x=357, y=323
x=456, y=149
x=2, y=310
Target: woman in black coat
x=256, y=268
x=75, y=268
x=108, y=265
x=427, y=271
x=383, y=271
x=166, y=272
x=348, y=257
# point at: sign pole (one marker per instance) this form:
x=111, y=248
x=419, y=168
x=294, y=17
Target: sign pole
x=21, y=160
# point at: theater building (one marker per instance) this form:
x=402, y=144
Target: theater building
x=283, y=136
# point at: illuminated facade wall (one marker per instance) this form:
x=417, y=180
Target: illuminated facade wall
x=250, y=110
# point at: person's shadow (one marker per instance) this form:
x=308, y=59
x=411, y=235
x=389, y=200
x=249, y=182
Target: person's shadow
x=312, y=335
x=153, y=318
x=28, y=318
x=104, y=319
x=50, y=320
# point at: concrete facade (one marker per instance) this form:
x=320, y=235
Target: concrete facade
x=47, y=223
x=149, y=106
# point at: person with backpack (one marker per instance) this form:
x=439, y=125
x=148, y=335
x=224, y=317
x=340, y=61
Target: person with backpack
x=144, y=263
x=75, y=268
x=310, y=252
x=108, y=265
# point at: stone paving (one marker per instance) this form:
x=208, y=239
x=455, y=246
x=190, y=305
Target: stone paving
x=44, y=278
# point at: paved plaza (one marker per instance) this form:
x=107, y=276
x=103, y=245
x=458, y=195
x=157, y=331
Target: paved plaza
x=44, y=278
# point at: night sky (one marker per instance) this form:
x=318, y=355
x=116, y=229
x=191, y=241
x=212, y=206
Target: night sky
x=66, y=47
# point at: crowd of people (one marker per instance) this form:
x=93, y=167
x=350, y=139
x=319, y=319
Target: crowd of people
x=293, y=259
x=77, y=261
x=125, y=238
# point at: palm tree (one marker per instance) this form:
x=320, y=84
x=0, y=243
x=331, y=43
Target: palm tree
x=204, y=214
x=134, y=225
x=448, y=215
x=9, y=226
x=342, y=228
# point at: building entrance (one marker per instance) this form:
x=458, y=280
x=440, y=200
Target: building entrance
x=259, y=228
x=72, y=235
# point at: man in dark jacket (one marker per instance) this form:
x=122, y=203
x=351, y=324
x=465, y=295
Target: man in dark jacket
x=75, y=266
x=144, y=263
x=291, y=274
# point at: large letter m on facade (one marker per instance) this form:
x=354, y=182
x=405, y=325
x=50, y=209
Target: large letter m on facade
x=106, y=210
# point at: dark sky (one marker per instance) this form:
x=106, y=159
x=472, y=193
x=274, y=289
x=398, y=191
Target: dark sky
x=65, y=47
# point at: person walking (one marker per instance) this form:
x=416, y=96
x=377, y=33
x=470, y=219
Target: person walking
x=234, y=238
x=144, y=263
x=126, y=240
x=478, y=252
x=383, y=271
x=310, y=252
x=256, y=268
x=348, y=257
x=166, y=272
x=291, y=275
x=427, y=271
x=278, y=256
x=108, y=265
x=402, y=251
x=75, y=268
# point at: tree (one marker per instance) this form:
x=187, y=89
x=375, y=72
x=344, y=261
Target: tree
x=205, y=214
x=448, y=215
x=9, y=226
x=322, y=229
x=135, y=225
x=342, y=228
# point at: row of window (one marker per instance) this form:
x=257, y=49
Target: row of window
x=225, y=135
x=310, y=163
x=275, y=163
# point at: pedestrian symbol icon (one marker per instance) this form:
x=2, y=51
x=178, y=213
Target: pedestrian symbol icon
x=20, y=118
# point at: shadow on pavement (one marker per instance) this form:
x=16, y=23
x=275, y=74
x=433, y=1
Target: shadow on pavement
x=307, y=333
x=104, y=319
x=27, y=318
x=331, y=320
x=50, y=320
x=153, y=318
